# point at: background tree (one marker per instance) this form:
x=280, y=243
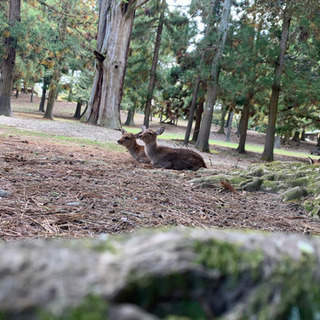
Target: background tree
x=8, y=58
x=154, y=65
x=202, y=142
x=274, y=99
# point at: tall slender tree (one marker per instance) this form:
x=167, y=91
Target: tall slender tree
x=8, y=61
x=274, y=99
x=210, y=19
x=202, y=142
x=154, y=66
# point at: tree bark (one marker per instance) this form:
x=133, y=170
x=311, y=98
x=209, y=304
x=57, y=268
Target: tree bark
x=228, y=137
x=130, y=117
x=267, y=154
x=53, y=90
x=56, y=76
x=296, y=136
x=224, y=111
x=244, y=127
x=31, y=95
x=199, y=78
x=77, y=114
x=8, y=61
x=202, y=142
x=199, y=112
x=154, y=66
x=114, y=32
x=46, y=82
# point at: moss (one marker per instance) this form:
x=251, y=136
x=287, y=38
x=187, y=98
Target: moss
x=214, y=181
x=226, y=257
x=252, y=185
x=313, y=206
x=290, y=290
x=272, y=186
x=257, y=172
x=269, y=177
x=314, y=188
x=298, y=182
x=91, y=308
x=170, y=294
x=294, y=193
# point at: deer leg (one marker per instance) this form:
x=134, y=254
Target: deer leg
x=163, y=165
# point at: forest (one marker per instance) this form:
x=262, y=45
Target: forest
x=256, y=59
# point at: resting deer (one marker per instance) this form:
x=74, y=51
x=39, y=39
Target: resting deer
x=129, y=140
x=166, y=157
x=314, y=162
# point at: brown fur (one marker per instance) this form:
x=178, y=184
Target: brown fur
x=129, y=140
x=169, y=158
x=315, y=162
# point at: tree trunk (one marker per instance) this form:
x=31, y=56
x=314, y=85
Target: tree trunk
x=56, y=76
x=267, y=154
x=224, y=110
x=53, y=90
x=303, y=135
x=202, y=142
x=199, y=112
x=77, y=114
x=228, y=137
x=318, y=141
x=130, y=117
x=296, y=136
x=31, y=95
x=46, y=82
x=244, y=127
x=8, y=61
x=154, y=66
x=199, y=78
x=114, y=32
x=17, y=94
x=192, y=109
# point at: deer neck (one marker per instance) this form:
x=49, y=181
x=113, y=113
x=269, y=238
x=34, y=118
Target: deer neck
x=151, y=148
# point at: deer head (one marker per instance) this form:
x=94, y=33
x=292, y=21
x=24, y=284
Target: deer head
x=149, y=135
x=128, y=139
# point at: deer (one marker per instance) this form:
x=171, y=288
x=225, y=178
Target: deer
x=166, y=157
x=129, y=140
x=314, y=162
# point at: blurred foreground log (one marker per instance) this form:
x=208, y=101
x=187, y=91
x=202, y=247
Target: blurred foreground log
x=177, y=274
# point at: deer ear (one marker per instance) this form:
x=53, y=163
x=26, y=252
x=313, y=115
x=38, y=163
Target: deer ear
x=137, y=135
x=311, y=161
x=160, y=131
x=143, y=128
x=123, y=131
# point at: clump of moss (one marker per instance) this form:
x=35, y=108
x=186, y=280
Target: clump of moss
x=276, y=177
x=294, y=193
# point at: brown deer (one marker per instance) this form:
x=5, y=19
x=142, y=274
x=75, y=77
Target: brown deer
x=166, y=157
x=314, y=162
x=129, y=140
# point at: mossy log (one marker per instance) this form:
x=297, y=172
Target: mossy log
x=175, y=274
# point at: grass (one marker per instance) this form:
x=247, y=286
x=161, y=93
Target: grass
x=81, y=141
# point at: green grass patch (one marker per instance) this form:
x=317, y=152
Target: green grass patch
x=64, y=139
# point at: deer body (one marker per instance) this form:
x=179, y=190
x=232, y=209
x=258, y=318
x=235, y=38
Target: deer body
x=169, y=158
x=129, y=140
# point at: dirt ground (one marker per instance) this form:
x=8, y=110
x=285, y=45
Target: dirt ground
x=62, y=188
